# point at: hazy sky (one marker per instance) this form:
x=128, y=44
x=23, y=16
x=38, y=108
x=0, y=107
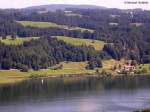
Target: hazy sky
x=106, y=3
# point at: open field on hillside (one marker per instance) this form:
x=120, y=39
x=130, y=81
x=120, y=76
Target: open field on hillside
x=40, y=24
x=98, y=45
x=73, y=14
x=60, y=72
x=144, y=68
x=52, y=25
x=15, y=76
x=17, y=41
x=12, y=76
x=71, y=65
x=67, y=68
x=109, y=64
x=70, y=13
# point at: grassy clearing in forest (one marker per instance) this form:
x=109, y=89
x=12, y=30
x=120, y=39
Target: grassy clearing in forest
x=98, y=45
x=70, y=13
x=52, y=25
x=71, y=65
x=144, y=68
x=17, y=41
x=109, y=64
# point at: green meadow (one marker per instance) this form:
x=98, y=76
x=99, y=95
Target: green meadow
x=40, y=24
x=68, y=68
x=17, y=41
x=144, y=68
x=12, y=76
x=70, y=13
x=52, y=25
x=98, y=45
x=59, y=72
x=15, y=76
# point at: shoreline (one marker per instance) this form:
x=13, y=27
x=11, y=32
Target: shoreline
x=26, y=77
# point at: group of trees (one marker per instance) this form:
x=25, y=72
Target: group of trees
x=124, y=40
x=94, y=63
x=43, y=53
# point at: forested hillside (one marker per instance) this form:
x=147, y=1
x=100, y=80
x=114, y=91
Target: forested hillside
x=126, y=34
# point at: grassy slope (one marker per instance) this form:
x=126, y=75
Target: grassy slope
x=15, y=76
x=98, y=45
x=71, y=65
x=17, y=41
x=74, y=65
x=70, y=13
x=12, y=76
x=109, y=64
x=67, y=68
x=50, y=24
x=145, y=67
x=60, y=72
x=40, y=24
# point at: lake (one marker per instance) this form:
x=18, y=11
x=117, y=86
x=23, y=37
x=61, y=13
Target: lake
x=113, y=94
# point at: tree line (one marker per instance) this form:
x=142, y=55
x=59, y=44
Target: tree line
x=43, y=53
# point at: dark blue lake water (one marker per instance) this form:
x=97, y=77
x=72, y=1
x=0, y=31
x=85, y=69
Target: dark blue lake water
x=120, y=94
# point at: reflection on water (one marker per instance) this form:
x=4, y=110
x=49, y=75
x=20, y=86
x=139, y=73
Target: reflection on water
x=119, y=94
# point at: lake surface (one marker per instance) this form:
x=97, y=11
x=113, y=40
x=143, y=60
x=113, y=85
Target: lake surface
x=120, y=94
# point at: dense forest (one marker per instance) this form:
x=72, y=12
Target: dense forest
x=126, y=32
x=43, y=53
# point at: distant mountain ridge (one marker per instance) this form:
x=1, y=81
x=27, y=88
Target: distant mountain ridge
x=54, y=7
